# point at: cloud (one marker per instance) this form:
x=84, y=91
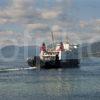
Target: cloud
x=50, y=14
x=2, y=20
x=92, y=26
x=56, y=28
x=5, y=42
x=15, y=38
x=36, y=26
x=97, y=21
x=18, y=12
x=6, y=33
x=26, y=11
x=83, y=24
x=42, y=17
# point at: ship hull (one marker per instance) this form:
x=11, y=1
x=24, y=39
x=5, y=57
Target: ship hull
x=69, y=63
x=72, y=63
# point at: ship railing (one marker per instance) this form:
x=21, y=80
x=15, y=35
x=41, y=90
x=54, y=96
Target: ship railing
x=50, y=55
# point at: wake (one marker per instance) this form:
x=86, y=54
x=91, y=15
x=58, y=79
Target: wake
x=17, y=69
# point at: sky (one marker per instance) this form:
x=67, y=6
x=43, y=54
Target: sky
x=30, y=22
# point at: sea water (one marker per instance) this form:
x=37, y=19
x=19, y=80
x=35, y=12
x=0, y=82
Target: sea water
x=54, y=84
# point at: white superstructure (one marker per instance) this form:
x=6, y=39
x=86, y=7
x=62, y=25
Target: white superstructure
x=64, y=50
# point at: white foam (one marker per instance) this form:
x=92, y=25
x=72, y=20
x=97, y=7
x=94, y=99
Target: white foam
x=18, y=69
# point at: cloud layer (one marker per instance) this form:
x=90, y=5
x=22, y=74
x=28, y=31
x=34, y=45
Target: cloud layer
x=35, y=19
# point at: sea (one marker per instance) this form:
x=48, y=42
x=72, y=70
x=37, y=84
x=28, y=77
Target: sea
x=18, y=81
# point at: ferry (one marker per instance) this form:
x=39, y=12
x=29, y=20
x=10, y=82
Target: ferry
x=61, y=55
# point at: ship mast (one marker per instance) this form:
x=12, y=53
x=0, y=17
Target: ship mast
x=67, y=39
x=52, y=39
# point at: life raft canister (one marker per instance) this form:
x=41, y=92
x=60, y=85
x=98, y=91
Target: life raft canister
x=61, y=47
x=43, y=47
